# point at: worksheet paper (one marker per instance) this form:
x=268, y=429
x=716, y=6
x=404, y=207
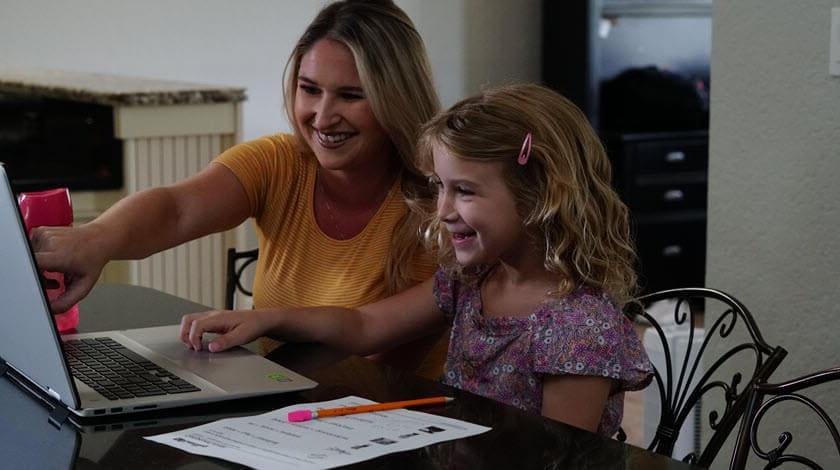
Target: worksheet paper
x=270, y=441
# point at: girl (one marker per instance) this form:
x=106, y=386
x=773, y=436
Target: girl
x=536, y=263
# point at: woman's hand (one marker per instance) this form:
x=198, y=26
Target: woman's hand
x=76, y=252
x=235, y=327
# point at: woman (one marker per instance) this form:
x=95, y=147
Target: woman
x=328, y=201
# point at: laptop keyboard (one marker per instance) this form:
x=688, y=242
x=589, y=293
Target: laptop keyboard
x=117, y=372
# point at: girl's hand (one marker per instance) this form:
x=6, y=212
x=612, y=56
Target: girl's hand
x=235, y=327
x=76, y=252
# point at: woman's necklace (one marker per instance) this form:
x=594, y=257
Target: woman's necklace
x=333, y=220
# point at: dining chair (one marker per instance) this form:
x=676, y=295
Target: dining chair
x=686, y=379
x=759, y=404
x=237, y=263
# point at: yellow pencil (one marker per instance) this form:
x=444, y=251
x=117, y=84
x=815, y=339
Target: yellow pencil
x=306, y=415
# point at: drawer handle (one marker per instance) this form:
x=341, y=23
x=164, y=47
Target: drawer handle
x=675, y=157
x=672, y=250
x=673, y=195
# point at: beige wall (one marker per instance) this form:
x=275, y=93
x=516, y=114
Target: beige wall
x=774, y=183
x=470, y=42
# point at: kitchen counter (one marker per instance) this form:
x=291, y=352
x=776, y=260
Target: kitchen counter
x=108, y=136
x=112, y=90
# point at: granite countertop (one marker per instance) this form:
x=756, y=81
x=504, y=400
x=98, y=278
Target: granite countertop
x=113, y=90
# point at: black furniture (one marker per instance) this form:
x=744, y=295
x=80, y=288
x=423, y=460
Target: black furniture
x=640, y=72
x=518, y=439
x=662, y=179
x=46, y=143
x=237, y=263
x=687, y=377
x=765, y=396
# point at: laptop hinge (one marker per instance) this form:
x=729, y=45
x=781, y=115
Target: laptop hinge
x=58, y=416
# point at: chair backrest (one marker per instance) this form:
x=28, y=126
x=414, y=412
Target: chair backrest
x=237, y=262
x=778, y=393
x=685, y=376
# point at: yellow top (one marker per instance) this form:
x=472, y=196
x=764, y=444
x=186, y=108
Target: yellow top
x=298, y=264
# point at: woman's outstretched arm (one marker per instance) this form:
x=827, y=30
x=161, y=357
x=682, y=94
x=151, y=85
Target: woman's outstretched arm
x=140, y=225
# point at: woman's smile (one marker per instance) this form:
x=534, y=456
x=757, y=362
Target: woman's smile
x=332, y=140
x=333, y=112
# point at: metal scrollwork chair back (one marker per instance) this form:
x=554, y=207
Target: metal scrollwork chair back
x=237, y=262
x=759, y=404
x=687, y=376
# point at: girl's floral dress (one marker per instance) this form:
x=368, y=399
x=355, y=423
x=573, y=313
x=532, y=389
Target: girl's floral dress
x=506, y=358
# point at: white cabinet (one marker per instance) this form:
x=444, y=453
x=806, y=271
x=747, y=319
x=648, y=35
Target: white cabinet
x=168, y=131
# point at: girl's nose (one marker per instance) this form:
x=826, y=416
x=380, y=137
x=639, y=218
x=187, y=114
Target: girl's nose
x=445, y=210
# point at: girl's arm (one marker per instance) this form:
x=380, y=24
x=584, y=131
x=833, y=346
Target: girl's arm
x=576, y=399
x=403, y=317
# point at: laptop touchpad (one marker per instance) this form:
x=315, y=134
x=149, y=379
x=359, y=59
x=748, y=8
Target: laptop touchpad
x=229, y=369
x=165, y=340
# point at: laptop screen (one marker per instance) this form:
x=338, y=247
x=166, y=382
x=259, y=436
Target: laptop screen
x=29, y=341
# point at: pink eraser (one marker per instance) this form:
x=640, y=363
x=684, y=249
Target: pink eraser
x=300, y=415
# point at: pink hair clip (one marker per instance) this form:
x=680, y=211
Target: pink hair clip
x=525, y=152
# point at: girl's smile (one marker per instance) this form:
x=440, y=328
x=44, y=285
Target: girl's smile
x=462, y=239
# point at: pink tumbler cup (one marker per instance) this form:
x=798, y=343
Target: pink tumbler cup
x=51, y=208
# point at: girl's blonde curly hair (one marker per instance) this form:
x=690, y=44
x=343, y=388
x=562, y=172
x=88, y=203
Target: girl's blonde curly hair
x=563, y=192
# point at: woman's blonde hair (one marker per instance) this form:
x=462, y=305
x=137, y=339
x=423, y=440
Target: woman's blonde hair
x=563, y=192
x=397, y=81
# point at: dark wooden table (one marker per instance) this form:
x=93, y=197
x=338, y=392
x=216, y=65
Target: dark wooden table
x=518, y=440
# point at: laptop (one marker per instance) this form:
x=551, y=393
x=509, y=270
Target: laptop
x=28, y=440
x=112, y=372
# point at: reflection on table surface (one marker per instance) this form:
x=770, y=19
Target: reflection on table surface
x=517, y=440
